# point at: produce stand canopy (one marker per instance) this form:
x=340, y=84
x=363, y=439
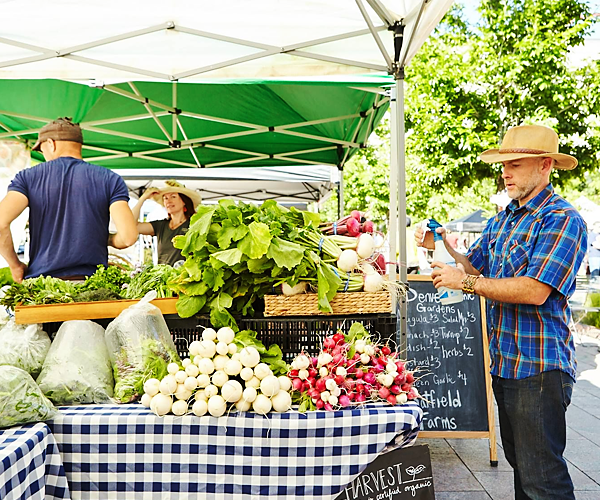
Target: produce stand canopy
x=191, y=84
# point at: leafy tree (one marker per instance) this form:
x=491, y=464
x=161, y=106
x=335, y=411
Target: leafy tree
x=468, y=85
x=465, y=87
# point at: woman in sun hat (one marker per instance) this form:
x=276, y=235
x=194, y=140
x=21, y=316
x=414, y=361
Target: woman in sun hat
x=180, y=203
x=525, y=264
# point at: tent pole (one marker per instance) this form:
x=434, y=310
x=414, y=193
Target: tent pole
x=398, y=144
x=340, y=192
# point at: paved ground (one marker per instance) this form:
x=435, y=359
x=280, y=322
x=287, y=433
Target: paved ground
x=461, y=467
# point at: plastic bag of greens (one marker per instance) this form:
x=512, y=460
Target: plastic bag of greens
x=21, y=400
x=24, y=346
x=77, y=369
x=140, y=347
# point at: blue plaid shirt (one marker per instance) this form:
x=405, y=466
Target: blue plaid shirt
x=546, y=239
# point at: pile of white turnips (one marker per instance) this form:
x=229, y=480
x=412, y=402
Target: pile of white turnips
x=221, y=377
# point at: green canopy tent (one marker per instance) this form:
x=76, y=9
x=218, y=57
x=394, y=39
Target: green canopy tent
x=150, y=125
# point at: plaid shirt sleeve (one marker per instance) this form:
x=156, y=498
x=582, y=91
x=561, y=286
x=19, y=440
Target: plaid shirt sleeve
x=557, y=255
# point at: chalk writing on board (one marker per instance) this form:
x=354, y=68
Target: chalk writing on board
x=401, y=474
x=445, y=343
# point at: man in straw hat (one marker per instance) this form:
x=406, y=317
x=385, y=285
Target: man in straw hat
x=70, y=203
x=525, y=264
x=180, y=203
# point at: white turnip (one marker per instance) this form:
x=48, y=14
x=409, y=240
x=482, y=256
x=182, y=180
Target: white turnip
x=226, y=335
x=200, y=407
x=250, y=357
x=232, y=391
x=366, y=246
x=282, y=401
x=262, y=404
x=348, y=260
x=179, y=408
x=216, y=406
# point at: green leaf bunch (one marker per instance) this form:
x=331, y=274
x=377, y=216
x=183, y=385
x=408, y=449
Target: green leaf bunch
x=237, y=252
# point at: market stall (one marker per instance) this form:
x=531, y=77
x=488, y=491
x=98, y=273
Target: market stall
x=146, y=101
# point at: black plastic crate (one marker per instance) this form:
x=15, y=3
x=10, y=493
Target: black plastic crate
x=292, y=334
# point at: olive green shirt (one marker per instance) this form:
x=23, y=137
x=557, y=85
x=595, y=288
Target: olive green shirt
x=167, y=253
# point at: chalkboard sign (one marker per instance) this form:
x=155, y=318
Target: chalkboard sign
x=450, y=348
x=401, y=474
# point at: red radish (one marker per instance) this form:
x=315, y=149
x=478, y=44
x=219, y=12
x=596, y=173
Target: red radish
x=368, y=227
x=312, y=373
x=400, y=379
x=410, y=378
x=391, y=399
x=328, y=407
x=297, y=384
x=360, y=388
x=320, y=384
x=400, y=366
x=305, y=386
x=359, y=374
x=311, y=381
x=384, y=392
x=344, y=401
x=352, y=396
x=338, y=338
x=386, y=351
x=353, y=227
x=293, y=373
x=339, y=380
x=361, y=398
x=355, y=214
x=369, y=378
x=395, y=389
x=314, y=361
x=320, y=404
x=329, y=343
x=380, y=263
x=405, y=387
x=314, y=393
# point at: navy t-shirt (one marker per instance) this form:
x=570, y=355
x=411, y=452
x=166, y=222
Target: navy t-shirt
x=69, y=203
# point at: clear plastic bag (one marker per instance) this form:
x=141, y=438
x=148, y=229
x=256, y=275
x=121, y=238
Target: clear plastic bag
x=140, y=347
x=24, y=346
x=21, y=400
x=77, y=369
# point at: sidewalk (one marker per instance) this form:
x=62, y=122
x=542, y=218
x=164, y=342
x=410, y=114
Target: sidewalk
x=461, y=467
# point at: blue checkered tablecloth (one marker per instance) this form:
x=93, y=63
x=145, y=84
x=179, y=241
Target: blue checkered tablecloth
x=126, y=452
x=30, y=464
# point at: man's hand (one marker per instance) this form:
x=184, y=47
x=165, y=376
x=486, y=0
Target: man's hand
x=18, y=272
x=448, y=276
x=425, y=238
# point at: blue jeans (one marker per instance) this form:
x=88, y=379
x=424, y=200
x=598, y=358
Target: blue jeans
x=533, y=431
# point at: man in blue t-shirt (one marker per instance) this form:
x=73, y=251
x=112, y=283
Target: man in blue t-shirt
x=70, y=204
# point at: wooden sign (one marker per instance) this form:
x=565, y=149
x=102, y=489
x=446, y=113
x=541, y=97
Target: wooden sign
x=450, y=347
x=404, y=473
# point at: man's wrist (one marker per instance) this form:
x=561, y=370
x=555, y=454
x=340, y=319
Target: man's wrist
x=468, y=283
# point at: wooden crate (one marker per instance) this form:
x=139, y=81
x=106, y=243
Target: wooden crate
x=306, y=304
x=84, y=310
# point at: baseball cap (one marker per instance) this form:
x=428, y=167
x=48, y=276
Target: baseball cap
x=61, y=129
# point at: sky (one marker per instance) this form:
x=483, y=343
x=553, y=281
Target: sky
x=470, y=10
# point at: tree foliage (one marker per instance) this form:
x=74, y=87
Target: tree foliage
x=465, y=87
x=468, y=85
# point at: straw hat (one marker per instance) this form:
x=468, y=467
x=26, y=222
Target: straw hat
x=172, y=186
x=529, y=141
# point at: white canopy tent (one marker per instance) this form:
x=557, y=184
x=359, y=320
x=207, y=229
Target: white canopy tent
x=286, y=185
x=186, y=41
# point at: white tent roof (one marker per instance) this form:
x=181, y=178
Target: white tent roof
x=195, y=40
x=283, y=184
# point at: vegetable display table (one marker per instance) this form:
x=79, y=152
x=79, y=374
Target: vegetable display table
x=30, y=464
x=126, y=452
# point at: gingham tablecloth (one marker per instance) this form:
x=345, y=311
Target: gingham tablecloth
x=126, y=452
x=30, y=465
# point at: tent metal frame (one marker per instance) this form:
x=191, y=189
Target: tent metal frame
x=393, y=65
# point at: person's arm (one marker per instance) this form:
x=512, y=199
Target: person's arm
x=519, y=290
x=144, y=227
x=127, y=232
x=11, y=207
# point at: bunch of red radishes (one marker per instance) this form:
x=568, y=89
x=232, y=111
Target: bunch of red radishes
x=352, y=225
x=350, y=370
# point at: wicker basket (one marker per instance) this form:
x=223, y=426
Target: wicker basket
x=306, y=304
